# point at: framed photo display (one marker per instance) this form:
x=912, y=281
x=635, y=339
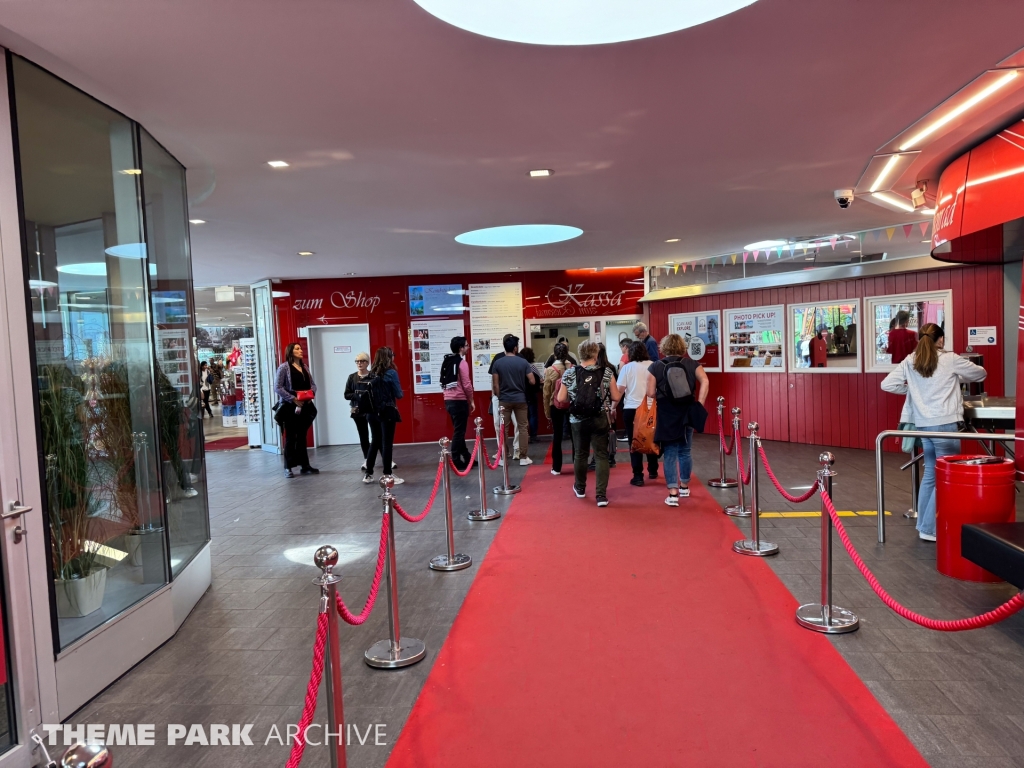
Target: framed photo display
x=702, y=331
x=893, y=323
x=754, y=339
x=824, y=337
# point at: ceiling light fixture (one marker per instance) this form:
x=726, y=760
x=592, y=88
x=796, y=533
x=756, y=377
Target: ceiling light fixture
x=197, y=221
x=518, y=235
x=886, y=170
x=895, y=202
x=541, y=172
x=277, y=163
x=280, y=294
x=762, y=244
x=672, y=240
x=131, y=172
x=926, y=211
x=307, y=253
x=983, y=94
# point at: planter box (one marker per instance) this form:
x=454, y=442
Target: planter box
x=80, y=597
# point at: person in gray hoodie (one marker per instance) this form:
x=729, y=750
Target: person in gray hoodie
x=930, y=377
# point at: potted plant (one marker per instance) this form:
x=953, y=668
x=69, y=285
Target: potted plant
x=79, y=576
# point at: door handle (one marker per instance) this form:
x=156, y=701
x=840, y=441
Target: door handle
x=15, y=510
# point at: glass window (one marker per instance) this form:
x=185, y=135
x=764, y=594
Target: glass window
x=895, y=321
x=823, y=338
x=92, y=345
x=178, y=397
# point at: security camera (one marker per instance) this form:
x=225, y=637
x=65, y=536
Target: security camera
x=844, y=197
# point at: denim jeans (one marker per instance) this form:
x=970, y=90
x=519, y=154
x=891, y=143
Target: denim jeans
x=592, y=432
x=933, y=449
x=675, y=457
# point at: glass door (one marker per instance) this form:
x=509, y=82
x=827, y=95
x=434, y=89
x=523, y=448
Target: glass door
x=263, y=329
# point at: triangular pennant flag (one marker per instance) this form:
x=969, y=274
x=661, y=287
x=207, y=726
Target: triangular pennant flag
x=675, y=270
x=832, y=241
x=805, y=247
x=779, y=249
x=876, y=234
x=890, y=231
x=756, y=254
x=907, y=229
x=924, y=227
x=734, y=258
x=684, y=268
x=745, y=254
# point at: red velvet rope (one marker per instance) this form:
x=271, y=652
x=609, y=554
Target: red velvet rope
x=472, y=458
x=778, y=486
x=1005, y=610
x=721, y=439
x=309, y=708
x=371, y=598
x=738, y=446
x=498, y=455
x=430, y=501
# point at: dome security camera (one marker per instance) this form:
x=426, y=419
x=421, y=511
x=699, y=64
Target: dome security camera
x=844, y=197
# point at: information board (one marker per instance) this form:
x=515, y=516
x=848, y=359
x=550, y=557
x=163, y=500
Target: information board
x=494, y=310
x=435, y=300
x=704, y=326
x=431, y=341
x=754, y=342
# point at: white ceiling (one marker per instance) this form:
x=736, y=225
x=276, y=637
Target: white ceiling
x=403, y=131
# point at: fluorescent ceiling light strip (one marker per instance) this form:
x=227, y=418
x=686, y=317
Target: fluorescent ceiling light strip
x=895, y=202
x=957, y=111
x=884, y=174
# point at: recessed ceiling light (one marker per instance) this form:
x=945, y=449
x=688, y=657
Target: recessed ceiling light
x=277, y=164
x=926, y=241
x=926, y=211
x=519, y=235
x=762, y=244
x=672, y=240
x=809, y=258
x=197, y=221
x=513, y=267
x=306, y=253
x=542, y=172
x=348, y=274
x=131, y=172
x=670, y=263
x=578, y=22
x=280, y=294
x=90, y=268
x=884, y=174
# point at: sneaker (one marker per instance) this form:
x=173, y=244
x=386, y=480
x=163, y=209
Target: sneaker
x=501, y=462
x=602, y=501
x=397, y=479
x=672, y=500
x=190, y=492
x=393, y=466
x=288, y=473
x=525, y=462
x=367, y=479
x=611, y=463
x=637, y=481
x=684, y=492
x=652, y=475
x=515, y=456
x=925, y=536
x=580, y=492
x=310, y=471
x=556, y=471
x=363, y=467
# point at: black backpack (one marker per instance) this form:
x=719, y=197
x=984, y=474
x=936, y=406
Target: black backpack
x=675, y=384
x=589, y=401
x=381, y=399
x=450, y=371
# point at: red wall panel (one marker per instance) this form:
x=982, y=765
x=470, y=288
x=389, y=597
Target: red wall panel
x=841, y=409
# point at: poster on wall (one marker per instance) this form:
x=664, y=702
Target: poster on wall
x=494, y=310
x=701, y=330
x=172, y=354
x=823, y=338
x=431, y=341
x=435, y=300
x=754, y=343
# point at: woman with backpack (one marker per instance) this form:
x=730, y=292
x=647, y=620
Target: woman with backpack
x=557, y=414
x=295, y=389
x=384, y=390
x=677, y=383
x=457, y=383
x=358, y=396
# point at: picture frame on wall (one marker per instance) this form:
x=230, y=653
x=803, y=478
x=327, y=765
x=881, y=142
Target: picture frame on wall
x=824, y=336
x=753, y=340
x=703, y=334
x=883, y=315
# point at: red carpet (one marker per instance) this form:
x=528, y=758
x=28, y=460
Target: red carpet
x=227, y=443
x=633, y=636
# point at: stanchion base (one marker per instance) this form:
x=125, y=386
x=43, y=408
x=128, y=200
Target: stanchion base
x=725, y=482
x=501, y=491
x=811, y=616
x=445, y=563
x=480, y=515
x=737, y=511
x=410, y=651
x=755, y=548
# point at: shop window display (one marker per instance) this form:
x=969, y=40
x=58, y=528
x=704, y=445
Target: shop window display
x=895, y=321
x=755, y=339
x=825, y=338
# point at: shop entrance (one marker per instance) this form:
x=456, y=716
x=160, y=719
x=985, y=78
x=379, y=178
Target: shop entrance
x=333, y=351
x=543, y=334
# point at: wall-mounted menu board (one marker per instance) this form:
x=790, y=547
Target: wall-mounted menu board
x=754, y=339
x=704, y=326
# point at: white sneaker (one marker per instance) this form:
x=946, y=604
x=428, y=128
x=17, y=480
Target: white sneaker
x=393, y=466
x=501, y=462
x=525, y=462
x=555, y=472
x=363, y=467
x=672, y=501
x=367, y=479
x=684, y=492
x=925, y=536
x=397, y=479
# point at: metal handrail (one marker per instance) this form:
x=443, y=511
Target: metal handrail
x=880, y=468
x=912, y=462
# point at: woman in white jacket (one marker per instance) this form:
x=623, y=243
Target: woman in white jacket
x=931, y=379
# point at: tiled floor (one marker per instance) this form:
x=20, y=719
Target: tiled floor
x=244, y=654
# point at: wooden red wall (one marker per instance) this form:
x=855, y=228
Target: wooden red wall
x=844, y=410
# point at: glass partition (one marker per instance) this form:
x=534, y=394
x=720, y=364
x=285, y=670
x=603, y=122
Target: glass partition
x=824, y=338
x=895, y=321
x=178, y=399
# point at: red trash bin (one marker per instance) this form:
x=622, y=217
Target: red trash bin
x=969, y=489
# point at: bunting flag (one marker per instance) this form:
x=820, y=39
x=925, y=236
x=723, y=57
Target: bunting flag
x=779, y=249
x=890, y=231
x=756, y=254
x=745, y=254
x=924, y=227
x=832, y=241
x=684, y=268
x=877, y=233
x=675, y=270
x=907, y=229
x=734, y=259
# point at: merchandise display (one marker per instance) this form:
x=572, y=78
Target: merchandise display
x=251, y=391
x=755, y=339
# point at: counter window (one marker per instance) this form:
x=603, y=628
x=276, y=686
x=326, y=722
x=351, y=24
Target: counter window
x=824, y=338
x=895, y=321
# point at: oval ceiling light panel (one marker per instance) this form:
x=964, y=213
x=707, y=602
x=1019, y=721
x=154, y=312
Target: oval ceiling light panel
x=519, y=235
x=578, y=22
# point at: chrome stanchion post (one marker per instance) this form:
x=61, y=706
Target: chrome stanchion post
x=397, y=651
x=483, y=513
x=85, y=756
x=914, y=476
x=722, y=481
x=450, y=561
x=754, y=546
x=504, y=489
x=741, y=509
x=823, y=616
x=325, y=559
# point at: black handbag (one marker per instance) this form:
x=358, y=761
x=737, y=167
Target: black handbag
x=697, y=416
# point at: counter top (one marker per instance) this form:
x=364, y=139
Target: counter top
x=991, y=408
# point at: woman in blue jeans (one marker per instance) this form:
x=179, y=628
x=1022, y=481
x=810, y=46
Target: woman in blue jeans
x=930, y=377
x=672, y=428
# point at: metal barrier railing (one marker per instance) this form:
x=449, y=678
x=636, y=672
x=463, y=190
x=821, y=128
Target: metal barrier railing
x=880, y=465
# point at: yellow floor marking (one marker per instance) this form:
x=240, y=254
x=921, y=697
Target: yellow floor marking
x=817, y=513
